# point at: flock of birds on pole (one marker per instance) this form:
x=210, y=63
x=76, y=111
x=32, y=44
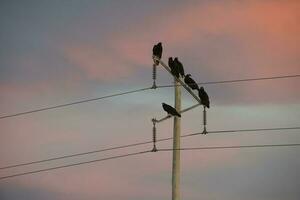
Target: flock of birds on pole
x=177, y=71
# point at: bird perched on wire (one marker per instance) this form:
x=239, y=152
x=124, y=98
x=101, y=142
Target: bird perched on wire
x=179, y=67
x=204, y=97
x=173, y=67
x=190, y=82
x=157, y=51
x=170, y=110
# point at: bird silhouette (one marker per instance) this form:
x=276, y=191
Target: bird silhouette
x=204, y=97
x=179, y=67
x=173, y=66
x=170, y=110
x=157, y=51
x=190, y=82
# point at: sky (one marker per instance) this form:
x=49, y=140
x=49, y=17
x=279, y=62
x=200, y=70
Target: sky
x=59, y=51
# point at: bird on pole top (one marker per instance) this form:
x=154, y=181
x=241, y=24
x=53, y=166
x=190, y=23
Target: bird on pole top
x=157, y=51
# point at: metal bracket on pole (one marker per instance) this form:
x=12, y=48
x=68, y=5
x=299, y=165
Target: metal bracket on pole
x=182, y=111
x=154, y=135
x=204, y=121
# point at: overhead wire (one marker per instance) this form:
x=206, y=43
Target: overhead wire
x=144, y=89
x=237, y=80
x=74, y=103
x=231, y=147
x=75, y=155
x=143, y=143
x=143, y=152
x=73, y=164
x=146, y=142
x=249, y=130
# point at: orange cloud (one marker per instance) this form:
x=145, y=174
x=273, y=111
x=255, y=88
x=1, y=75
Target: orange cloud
x=264, y=29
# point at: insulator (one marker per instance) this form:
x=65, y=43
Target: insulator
x=204, y=121
x=154, y=76
x=154, y=72
x=154, y=135
x=204, y=117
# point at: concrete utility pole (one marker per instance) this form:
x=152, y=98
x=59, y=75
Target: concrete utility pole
x=176, y=145
x=176, y=132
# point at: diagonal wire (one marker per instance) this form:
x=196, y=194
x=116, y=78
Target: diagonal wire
x=73, y=164
x=73, y=103
x=146, y=142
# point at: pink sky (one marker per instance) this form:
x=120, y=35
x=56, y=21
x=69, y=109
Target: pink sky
x=59, y=52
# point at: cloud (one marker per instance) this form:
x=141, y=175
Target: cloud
x=227, y=40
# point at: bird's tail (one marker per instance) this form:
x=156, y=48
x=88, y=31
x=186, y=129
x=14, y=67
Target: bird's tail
x=179, y=115
x=199, y=96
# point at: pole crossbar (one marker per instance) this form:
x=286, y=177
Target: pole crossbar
x=182, y=111
x=178, y=79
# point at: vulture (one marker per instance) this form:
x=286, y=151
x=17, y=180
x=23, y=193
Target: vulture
x=157, y=51
x=204, y=97
x=174, y=68
x=190, y=82
x=170, y=110
x=179, y=67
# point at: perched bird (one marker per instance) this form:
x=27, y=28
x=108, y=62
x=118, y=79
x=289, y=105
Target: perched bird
x=190, y=82
x=179, y=67
x=157, y=51
x=170, y=110
x=173, y=66
x=204, y=97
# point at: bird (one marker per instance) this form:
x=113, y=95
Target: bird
x=179, y=67
x=170, y=110
x=204, y=97
x=190, y=82
x=157, y=51
x=174, y=68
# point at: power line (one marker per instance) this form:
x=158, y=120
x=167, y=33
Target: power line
x=233, y=147
x=143, y=152
x=146, y=142
x=73, y=164
x=75, y=155
x=144, y=89
x=249, y=130
x=73, y=103
x=239, y=80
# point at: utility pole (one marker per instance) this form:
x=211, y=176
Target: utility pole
x=176, y=145
x=176, y=129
